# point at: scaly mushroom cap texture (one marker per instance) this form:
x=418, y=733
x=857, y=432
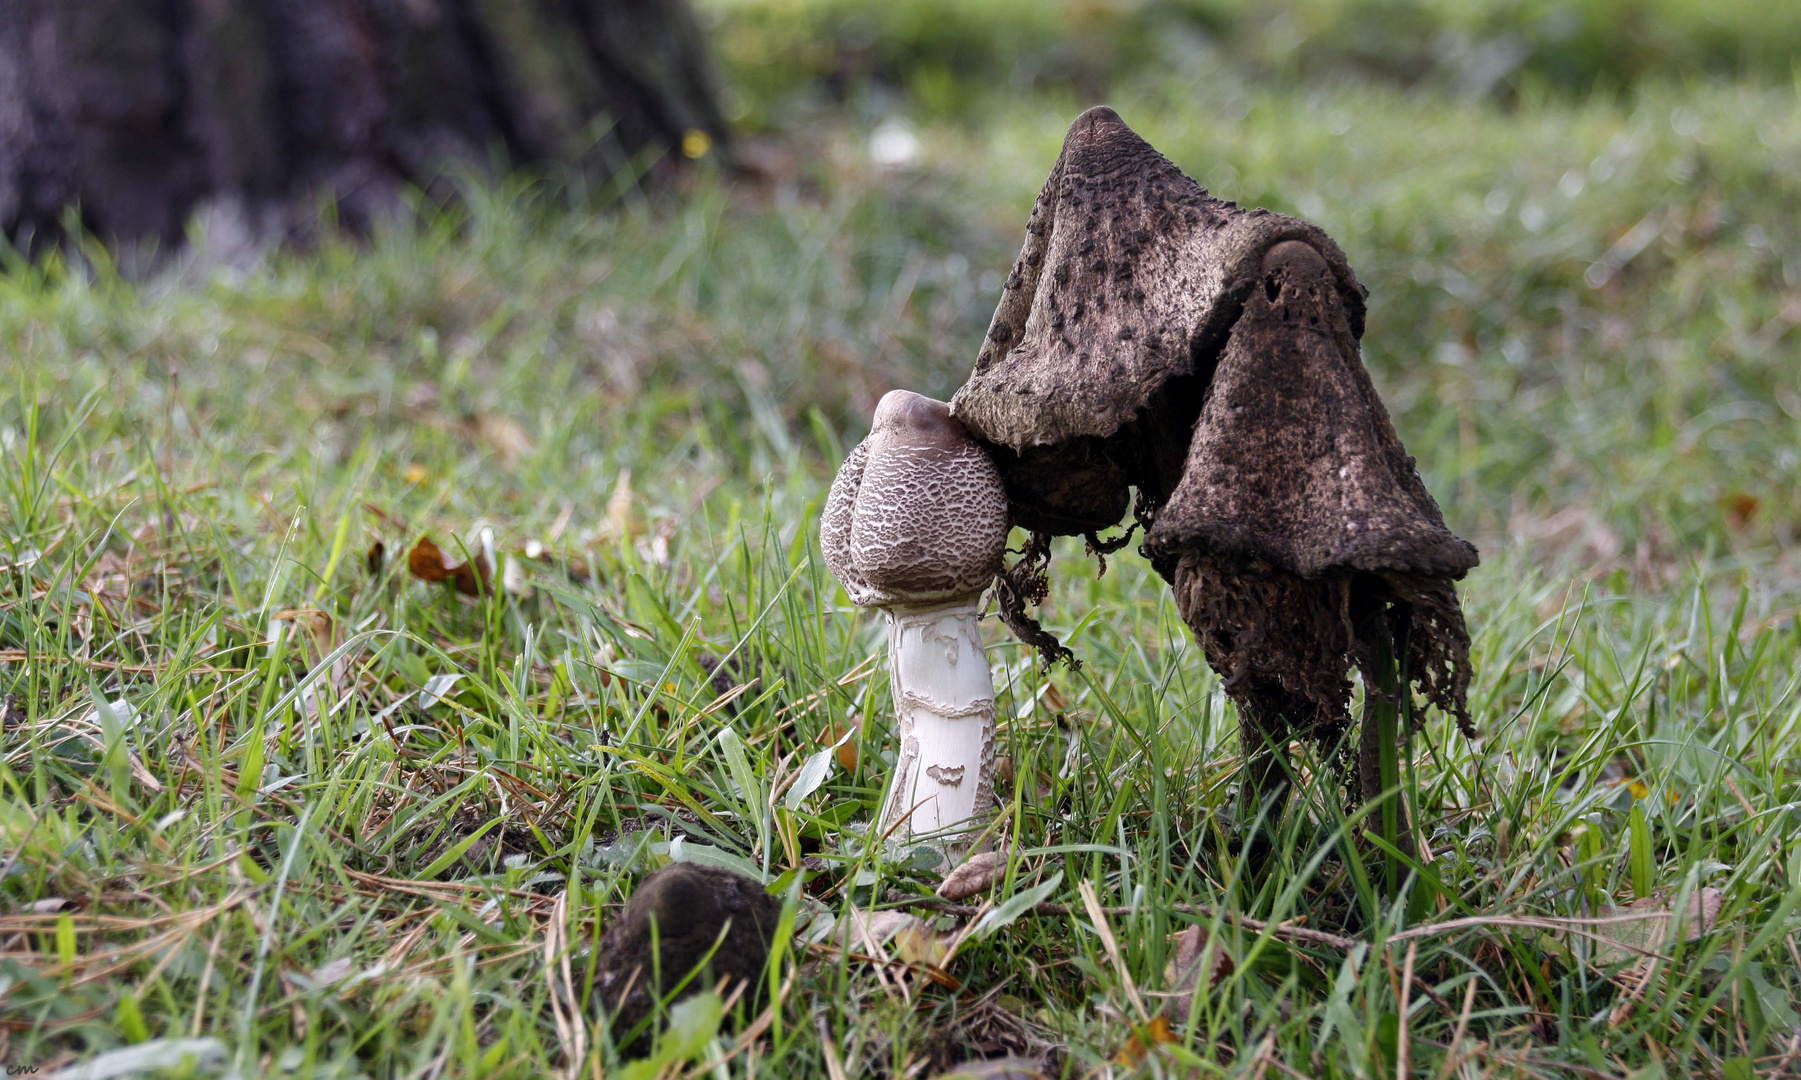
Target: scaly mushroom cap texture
x=917, y=514
x=1300, y=518
x=690, y=904
x=1128, y=285
x=1294, y=461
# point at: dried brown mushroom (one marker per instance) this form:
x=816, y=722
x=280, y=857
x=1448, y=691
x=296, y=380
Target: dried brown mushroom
x=916, y=524
x=1301, y=536
x=1152, y=337
x=1097, y=358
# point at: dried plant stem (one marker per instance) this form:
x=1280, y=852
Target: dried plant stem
x=1289, y=932
x=1379, y=760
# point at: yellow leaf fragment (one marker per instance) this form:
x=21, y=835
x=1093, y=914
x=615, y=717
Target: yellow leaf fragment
x=1145, y=1039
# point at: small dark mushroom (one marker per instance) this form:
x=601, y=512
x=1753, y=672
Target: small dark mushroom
x=693, y=908
x=1154, y=337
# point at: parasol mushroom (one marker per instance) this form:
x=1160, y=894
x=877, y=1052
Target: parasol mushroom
x=1153, y=337
x=1302, y=538
x=916, y=524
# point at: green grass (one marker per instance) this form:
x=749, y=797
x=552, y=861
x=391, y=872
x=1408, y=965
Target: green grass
x=281, y=845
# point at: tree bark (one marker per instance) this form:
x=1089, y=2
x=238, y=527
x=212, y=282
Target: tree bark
x=136, y=113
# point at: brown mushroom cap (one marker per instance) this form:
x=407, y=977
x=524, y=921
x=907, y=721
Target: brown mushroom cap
x=917, y=514
x=1300, y=519
x=1294, y=461
x=1128, y=285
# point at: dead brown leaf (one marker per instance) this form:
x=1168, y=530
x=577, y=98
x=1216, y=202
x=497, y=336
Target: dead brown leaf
x=319, y=628
x=918, y=943
x=977, y=875
x=429, y=563
x=1193, y=968
x=861, y=929
x=1145, y=1039
x=1659, y=926
x=1741, y=509
x=846, y=753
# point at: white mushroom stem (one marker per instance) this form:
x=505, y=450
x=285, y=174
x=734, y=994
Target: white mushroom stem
x=944, y=709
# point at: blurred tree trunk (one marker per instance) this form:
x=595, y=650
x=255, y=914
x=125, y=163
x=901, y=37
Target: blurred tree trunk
x=141, y=111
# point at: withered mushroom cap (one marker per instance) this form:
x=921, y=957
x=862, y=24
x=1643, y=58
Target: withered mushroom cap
x=1300, y=519
x=1128, y=285
x=917, y=513
x=1294, y=461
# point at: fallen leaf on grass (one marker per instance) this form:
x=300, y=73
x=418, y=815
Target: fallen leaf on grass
x=1741, y=509
x=845, y=749
x=320, y=631
x=977, y=875
x=1621, y=942
x=1192, y=968
x=861, y=929
x=429, y=563
x=1145, y=1039
x=918, y=943
x=915, y=943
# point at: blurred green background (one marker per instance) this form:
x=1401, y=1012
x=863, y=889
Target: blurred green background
x=946, y=56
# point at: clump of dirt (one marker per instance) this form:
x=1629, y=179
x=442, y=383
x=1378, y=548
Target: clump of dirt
x=684, y=916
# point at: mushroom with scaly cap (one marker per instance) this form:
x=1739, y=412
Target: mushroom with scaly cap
x=916, y=524
x=1154, y=337
x=1097, y=358
x=1302, y=539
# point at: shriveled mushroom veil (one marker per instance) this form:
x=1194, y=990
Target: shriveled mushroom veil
x=1115, y=334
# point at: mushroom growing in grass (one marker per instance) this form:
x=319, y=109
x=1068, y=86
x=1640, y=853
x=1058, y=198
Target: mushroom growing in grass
x=1153, y=337
x=916, y=524
x=1304, y=542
